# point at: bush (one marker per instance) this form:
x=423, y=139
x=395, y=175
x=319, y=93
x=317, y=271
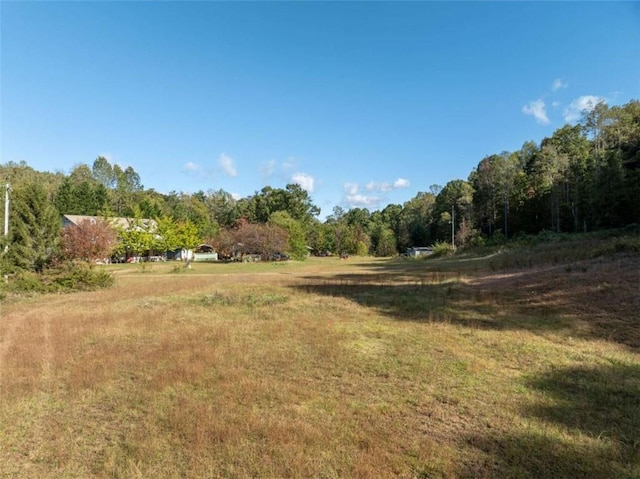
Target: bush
x=80, y=277
x=440, y=249
x=63, y=278
x=362, y=249
x=27, y=282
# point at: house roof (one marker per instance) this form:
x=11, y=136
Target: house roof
x=118, y=222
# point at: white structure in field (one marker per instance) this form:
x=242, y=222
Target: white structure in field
x=419, y=251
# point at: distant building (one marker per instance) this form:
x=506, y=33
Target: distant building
x=124, y=223
x=419, y=251
x=205, y=252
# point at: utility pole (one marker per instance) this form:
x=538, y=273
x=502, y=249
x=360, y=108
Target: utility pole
x=453, y=227
x=6, y=210
x=6, y=217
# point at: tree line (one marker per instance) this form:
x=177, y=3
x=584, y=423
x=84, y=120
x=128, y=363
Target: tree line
x=584, y=177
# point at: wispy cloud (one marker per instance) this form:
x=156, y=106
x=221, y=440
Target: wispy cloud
x=192, y=167
x=582, y=104
x=375, y=186
x=362, y=201
x=351, y=188
x=305, y=181
x=558, y=83
x=267, y=169
x=287, y=165
x=228, y=165
x=272, y=168
x=387, y=186
x=538, y=109
x=354, y=199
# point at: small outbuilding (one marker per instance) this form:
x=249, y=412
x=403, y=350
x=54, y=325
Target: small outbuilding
x=419, y=251
x=205, y=252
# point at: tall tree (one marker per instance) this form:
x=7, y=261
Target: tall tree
x=293, y=199
x=65, y=200
x=81, y=172
x=34, y=228
x=417, y=219
x=571, y=142
x=297, y=244
x=453, y=208
x=103, y=172
x=383, y=241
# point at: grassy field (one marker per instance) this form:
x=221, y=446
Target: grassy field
x=515, y=364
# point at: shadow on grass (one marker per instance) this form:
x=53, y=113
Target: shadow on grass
x=593, y=428
x=598, y=304
x=444, y=300
x=601, y=402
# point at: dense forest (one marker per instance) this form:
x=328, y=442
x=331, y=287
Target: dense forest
x=584, y=177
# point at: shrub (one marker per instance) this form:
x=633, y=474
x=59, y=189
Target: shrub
x=80, y=277
x=28, y=282
x=64, y=278
x=440, y=249
x=362, y=249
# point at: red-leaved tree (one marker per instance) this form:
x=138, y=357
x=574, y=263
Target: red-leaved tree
x=250, y=238
x=89, y=240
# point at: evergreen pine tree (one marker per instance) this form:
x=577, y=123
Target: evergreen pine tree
x=34, y=229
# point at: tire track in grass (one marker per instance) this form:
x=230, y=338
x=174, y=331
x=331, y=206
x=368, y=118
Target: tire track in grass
x=11, y=325
x=8, y=326
x=26, y=337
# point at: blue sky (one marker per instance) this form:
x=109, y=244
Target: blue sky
x=361, y=103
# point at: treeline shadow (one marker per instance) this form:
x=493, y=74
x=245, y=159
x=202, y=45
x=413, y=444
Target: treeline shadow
x=590, y=420
x=537, y=300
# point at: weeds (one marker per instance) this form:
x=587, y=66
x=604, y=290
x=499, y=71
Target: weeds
x=250, y=300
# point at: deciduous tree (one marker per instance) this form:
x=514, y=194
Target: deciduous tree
x=89, y=240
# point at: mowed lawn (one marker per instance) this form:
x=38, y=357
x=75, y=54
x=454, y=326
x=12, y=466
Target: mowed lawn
x=363, y=368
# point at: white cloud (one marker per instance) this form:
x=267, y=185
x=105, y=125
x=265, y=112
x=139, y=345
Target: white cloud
x=305, y=181
x=354, y=199
x=268, y=169
x=362, y=201
x=558, y=84
x=351, y=189
x=374, y=186
x=556, y=104
x=386, y=186
x=228, y=165
x=236, y=196
x=190, y=166
x=538, y=110
x=578, y=106
x=401, y=183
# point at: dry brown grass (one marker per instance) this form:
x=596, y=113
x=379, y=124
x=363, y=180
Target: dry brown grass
x=359, y=368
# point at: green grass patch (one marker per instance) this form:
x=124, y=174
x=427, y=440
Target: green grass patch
x=249, y=300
